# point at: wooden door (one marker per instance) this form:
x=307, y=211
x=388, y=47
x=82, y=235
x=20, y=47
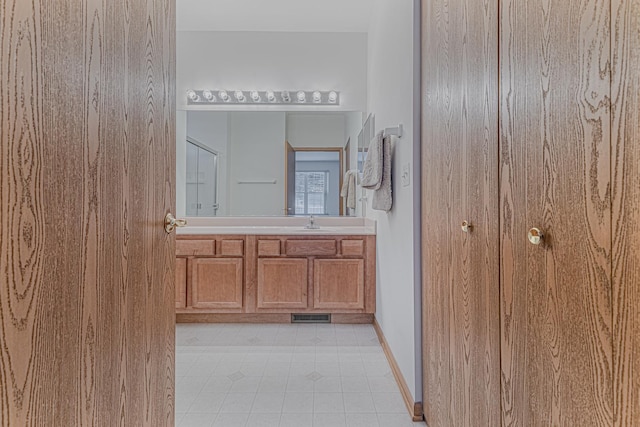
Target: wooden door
x=282, y=283
x=625, y=140
x=87, y=167
x=290, y=181
x=555, y=167
x=460, y=176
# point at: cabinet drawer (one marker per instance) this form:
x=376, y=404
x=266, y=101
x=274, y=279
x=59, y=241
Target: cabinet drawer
x=353, y=247
x=195, y=247
x=269, y=248
x=230, y=247
x=311, y=247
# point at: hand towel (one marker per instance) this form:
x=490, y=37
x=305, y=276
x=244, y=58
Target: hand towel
x=382, y=199
x=349, y=188
x=372, y=170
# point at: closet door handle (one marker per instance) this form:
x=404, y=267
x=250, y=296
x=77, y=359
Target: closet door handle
x=466, y=226
x=535, y=236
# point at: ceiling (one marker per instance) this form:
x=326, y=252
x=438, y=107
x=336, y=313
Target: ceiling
x=275, y=15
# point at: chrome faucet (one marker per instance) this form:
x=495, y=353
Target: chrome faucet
x=311, y=225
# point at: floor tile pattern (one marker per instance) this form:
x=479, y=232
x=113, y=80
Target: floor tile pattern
x=294, y=375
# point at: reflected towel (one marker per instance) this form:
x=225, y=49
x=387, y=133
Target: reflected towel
x=377, y=172
x=349, y=188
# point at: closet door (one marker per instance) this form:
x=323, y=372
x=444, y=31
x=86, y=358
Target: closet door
x=461, y=335
x=555, y=171
x=625, y=131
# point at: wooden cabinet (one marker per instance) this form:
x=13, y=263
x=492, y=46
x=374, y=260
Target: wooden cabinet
x=275, y=275
x=181, y=283
x=217, y=283
x=338, y=284
x=519, y=332
x=282, y=283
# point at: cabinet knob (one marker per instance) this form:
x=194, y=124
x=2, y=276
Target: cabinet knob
x=466, y=226
x=535, y=236
x=170, y=223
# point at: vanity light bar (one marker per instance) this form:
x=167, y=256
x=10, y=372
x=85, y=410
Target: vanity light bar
x=266, y=97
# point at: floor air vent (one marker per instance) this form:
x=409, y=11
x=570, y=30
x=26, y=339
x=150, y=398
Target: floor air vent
x=310, y=318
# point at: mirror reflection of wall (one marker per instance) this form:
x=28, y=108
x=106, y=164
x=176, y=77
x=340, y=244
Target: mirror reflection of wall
x=256, y=176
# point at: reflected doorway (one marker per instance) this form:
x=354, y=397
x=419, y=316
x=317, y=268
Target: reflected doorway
x=314, y=179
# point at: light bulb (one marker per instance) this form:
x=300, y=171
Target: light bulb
x=209, y=96
x=240, y=96
x=193, y=95
x=333, y=97
x=317, y=97
x=255, y=95
x=302, y=97
x=285, y=96
x=224, y=95
x=271, y=96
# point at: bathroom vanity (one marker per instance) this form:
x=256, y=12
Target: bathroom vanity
x=266, y=270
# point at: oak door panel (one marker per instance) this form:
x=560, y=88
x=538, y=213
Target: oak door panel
x=181, y=282
x=217, y=283
x=338, y=284
x=625, y=131
x=461, y=335
x=282, y=283
x=87, y=167
x=555, y=167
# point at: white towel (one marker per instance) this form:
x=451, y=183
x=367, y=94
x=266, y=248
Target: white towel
x=372, y=170
x=377, y=172
x=349, y=188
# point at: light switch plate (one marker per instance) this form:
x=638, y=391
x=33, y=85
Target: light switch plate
x=406, y=174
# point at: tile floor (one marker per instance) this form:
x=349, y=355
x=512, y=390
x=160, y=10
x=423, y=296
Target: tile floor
x=299, y=375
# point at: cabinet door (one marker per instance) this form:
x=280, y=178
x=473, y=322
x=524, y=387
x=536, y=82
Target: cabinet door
x=338, y=284
x=282, y=283
x=461, y=339
x=181, y=282
x=556, y=176
x=217, y=283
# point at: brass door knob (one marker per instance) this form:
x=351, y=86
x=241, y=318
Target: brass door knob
x=535, y=236
x=170, y=223
x=466, y=226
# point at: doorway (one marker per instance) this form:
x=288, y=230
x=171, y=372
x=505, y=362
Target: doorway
x=313, y=180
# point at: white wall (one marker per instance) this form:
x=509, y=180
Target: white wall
x=391, y=98
x=306, y=130
x=209, y=128
x=256, y=153
x=273, y=60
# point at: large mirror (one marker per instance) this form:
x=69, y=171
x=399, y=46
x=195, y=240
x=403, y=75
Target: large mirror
x=241, y=163
x=246, y=158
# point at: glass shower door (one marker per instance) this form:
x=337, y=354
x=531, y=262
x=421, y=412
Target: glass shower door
x=202, y=181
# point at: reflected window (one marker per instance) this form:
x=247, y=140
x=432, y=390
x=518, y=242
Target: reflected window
x=311, y=192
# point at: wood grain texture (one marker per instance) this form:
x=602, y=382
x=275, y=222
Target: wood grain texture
x=217, y=283
x=282, y=283
x=181, y=282
x=352, y=248
x=555, y=171
x=268, y=247
x=195, y=247
x=461, y=339
x=231, y=247
x=338, y=284
x=309, y=247
x=625, y=163
x=87, y=164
